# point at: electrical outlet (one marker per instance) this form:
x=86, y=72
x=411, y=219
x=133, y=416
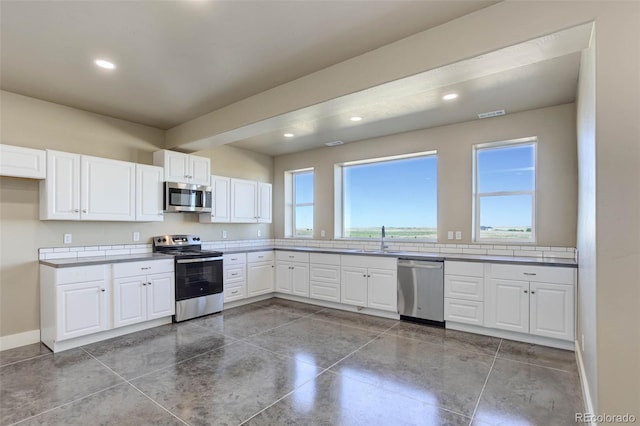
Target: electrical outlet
x=136, y=236
x=322, y=233
x=259, y=232
x=450, y=235
x=68, y=239
x=224, y=234
x=458, y=235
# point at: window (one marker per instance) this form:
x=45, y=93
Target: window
x=504, y=191
x=399, y=193
x=299, y=200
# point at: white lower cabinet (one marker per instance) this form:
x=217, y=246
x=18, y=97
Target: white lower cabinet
x=292, y=273
x=142, y=297
x=324, y=277
x=529, y=305
x=78, y=302
x=369, y=281
x=260, y=273
x=82, y=309
x=464, y=292
x=235, y=277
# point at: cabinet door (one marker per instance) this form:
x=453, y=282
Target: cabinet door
x=82, y=309
x=60, y=192
x=129, y=300
x=283, y=277
x=353, y=290
x=200, y=170
x=259, y=278
x=161, y=300
x=107, y=189
x=243, y=201
x=382, y=291
x=551, y=309
x=300, y=279
x=176, y=167
x=507, y=307
x=221, y=209
x=22, y=162
x=264, y=202
x=149, y=195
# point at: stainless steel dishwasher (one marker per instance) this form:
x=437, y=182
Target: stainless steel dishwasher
x=421, y=291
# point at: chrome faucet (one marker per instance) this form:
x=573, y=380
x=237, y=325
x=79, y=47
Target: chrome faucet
x=384, y=234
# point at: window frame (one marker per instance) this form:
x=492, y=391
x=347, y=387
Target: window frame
x=340, y=203
x=293, y=204
x=477, y=197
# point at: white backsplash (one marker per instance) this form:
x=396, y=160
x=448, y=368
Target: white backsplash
x=543, y=252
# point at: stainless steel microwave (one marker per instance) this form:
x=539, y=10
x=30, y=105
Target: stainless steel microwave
x=185, y=197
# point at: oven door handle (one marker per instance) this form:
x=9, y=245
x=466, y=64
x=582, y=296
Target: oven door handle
x=199, y=260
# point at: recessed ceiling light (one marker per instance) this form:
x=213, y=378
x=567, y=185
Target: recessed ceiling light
x=105, y=64
x=355, y=118
x=450, y=96
x=289, y=135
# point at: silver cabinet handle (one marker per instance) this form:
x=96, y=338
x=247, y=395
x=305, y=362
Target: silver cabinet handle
x=84, y=210
x=76, y=210
x=526, y=291
x=260, y=257
x=529, y=273
x=291, y=257
x=533, y=292
x=200, y=260
x=102, y=290
x=144, y=284
x=234, y=292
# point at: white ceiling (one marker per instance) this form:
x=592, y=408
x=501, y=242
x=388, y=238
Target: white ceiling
x=177, y=60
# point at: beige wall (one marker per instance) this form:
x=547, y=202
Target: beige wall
x=586, y=238
x=37, y=124
x=557, y=170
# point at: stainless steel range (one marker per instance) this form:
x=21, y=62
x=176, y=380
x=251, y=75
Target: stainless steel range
x=198, y=275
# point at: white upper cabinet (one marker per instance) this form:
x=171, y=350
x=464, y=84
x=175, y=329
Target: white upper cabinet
x=250, y=201
x=221, y=209
x=60, y=192
x=22, y=162
x=87, y=188
x=243, y=200
x=264, y=202
x=183, y=168
x=107, y=189
x=149, y=199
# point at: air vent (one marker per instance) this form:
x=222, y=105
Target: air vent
x=334, y=143
x=491, y=114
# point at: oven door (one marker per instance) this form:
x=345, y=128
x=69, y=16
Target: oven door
x=198, y=277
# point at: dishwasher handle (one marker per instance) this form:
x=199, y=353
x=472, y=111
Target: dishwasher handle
x=419, y=264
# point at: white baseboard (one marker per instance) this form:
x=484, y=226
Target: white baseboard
x=20, y=339
x=512, y=335
x=586, y=393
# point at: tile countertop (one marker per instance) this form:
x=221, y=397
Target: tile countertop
x=85, y=261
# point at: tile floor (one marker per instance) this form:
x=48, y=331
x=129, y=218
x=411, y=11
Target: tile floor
x=278, y=362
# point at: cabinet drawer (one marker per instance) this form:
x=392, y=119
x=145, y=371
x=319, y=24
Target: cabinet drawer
x=260, y=256
x=325, y=273
x=465, y=311
x=325, y=291
x=461, y=287
x=324, y=258
x=292, y=256
x=468, y=269
x=547, y=274
x=235, y=259
x=235, y=292
x=131, y=269
x=80, y=274
x=234, y=273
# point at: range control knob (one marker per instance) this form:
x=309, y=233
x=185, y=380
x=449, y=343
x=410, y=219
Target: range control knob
x=164, y=240
x=196, y=239
x=159, y=240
